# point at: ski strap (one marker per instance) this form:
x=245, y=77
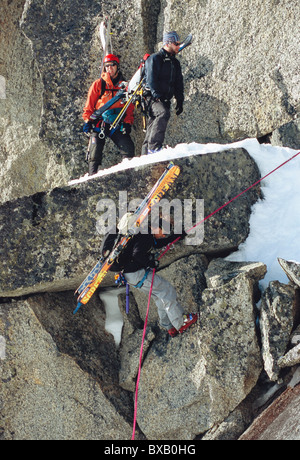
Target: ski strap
x=141, y=283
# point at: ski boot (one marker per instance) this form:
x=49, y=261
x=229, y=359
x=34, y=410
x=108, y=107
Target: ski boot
x=188, y=321
x=159, y=149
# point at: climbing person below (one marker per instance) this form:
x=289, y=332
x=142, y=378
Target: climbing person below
x=137, y=263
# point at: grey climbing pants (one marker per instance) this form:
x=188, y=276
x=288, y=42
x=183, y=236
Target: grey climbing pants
x=157, y=122
x=170, y=311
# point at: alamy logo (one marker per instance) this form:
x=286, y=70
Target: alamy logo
x=2, y=347
x=165, y=216
x=2, y=87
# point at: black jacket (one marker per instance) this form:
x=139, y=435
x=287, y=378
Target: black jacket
x=164, y=76
x=137, y=254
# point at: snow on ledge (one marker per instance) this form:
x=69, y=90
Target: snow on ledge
x=168, y=154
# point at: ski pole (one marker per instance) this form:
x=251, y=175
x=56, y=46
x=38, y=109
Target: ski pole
x=127, y=298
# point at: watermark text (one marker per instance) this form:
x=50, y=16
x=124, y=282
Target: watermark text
x=166, y=217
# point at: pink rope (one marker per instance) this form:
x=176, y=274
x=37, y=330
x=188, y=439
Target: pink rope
x=141, y=359
x=166, y=250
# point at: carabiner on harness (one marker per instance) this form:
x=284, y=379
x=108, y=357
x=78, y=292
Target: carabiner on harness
x=101, y=134
x=120, y=279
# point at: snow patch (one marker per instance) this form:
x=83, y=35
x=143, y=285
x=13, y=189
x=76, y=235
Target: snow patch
x=275, y=220
x=114, y=320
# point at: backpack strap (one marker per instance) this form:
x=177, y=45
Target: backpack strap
x=140, y=284
x=103, y=88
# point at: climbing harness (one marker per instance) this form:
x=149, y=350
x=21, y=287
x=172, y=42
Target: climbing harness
x=121, y=281
x=140, y=284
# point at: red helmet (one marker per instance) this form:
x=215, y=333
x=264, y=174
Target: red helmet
x=111, y=58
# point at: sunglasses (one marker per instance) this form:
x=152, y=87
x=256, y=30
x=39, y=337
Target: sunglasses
x=110, y=65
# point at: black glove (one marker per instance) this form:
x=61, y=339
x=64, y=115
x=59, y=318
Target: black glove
x=184, y=234
x=87, y=127
x=153, y=263
x=179, y=108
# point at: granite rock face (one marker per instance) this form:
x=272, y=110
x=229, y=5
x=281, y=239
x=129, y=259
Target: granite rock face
x=192, y=386
x=53, y=359
x=279, y=422
x=47, y=394
x=240, y=74
x=62, y=377
x=221, y=271
x=279, y=311
x=292, y=270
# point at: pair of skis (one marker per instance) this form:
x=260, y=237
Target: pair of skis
x=91, y=283
x=105, y=37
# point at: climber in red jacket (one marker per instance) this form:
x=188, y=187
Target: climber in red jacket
x=101, y=91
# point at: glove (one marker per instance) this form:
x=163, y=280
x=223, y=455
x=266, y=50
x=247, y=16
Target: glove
x=184, y=234
x=153, y=263
x=87, y=127
x=126, y=128
x=179, y=108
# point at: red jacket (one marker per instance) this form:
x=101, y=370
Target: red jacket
x=95, y=100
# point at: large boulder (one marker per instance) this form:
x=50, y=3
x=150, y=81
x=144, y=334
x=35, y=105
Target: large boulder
x=58, y=381
x=221, y=271
x=49, y=242
x=279, y=311
x=191, y=383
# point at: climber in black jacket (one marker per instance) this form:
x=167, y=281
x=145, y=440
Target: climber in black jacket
x=163, y=77
x=137, y=263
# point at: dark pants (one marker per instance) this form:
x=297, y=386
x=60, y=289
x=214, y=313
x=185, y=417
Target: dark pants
x=157, y=122
x=122, y=141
